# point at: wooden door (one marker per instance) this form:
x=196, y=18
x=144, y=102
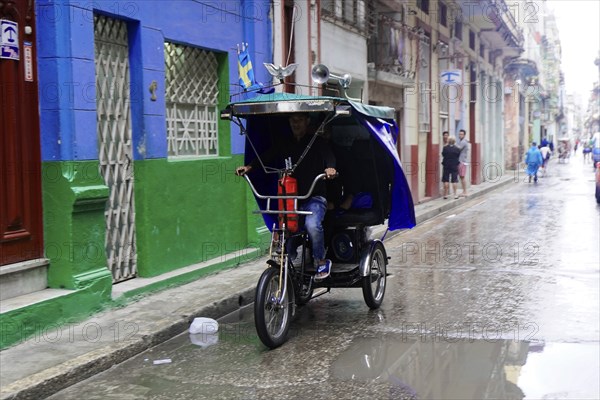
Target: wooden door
x=20, y=187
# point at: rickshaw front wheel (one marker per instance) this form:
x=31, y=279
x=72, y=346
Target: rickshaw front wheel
x=373, y=285
x=272, y=315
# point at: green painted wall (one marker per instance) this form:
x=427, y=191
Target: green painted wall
x=193, y=210
x=74, y=197
x=189, y=212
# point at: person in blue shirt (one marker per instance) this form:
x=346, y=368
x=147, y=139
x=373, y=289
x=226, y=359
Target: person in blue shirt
x=533, y=160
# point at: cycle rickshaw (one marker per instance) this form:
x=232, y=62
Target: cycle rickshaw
x=363, y=139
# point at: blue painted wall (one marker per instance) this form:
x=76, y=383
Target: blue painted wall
x=67, y=75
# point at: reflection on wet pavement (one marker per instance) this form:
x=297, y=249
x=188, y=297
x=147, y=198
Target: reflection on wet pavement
x=351, y=359
x=428, y=368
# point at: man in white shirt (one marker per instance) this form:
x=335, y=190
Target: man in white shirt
x=546, y=153
x=463, y=144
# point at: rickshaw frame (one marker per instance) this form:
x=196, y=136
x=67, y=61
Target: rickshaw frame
x=369, y=265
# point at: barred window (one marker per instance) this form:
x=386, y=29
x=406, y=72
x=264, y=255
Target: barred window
x=191, y=97
x=350, y=12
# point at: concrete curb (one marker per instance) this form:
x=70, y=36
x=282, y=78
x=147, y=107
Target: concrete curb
x=51, y=380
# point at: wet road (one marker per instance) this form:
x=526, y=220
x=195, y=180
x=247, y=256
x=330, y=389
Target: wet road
x=498, y=299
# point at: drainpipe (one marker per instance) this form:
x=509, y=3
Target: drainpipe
x=309, y=17
x=318, y=5
x=284, y=42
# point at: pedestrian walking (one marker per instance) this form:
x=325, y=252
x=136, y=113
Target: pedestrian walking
x=533, y=160
x=546, y=153
x=450, y=162
x=463, y=144
x=587, y=150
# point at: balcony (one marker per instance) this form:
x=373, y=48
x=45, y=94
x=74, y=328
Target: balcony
x=349, y=14
x=525, y=68
x=388, y=54
x=497, y=24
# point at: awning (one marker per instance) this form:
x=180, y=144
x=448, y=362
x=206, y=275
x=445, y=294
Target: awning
x=290, y=102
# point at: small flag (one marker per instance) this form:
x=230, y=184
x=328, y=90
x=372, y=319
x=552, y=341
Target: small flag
x=247, y=79
x=245, y=67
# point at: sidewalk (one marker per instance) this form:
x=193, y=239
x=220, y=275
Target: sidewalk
x=67, y=354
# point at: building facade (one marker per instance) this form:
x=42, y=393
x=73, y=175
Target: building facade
x=441, y=65
x=133, y=171
x=534, y=85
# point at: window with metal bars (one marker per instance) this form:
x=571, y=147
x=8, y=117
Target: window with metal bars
x=350, y=12
x=192, y=91
x=385, y=47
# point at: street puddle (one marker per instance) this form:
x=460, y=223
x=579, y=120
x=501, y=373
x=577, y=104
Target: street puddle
x=422, y=368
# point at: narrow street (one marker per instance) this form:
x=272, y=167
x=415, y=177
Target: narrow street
x=153, y=151
x=496, y=299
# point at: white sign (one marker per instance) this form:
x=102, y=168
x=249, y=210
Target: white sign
x=451, y=77
x=9, y=39
x=28, y=57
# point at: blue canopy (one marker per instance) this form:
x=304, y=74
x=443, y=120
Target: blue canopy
x=264, y=110
x=402, y=212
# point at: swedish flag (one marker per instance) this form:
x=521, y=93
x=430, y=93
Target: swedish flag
x=245, y=69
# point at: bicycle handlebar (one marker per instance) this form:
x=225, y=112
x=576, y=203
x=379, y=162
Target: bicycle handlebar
x=304, y=197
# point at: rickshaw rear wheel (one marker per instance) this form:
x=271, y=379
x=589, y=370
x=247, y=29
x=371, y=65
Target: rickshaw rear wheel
x=271, y=318
x=373, y=285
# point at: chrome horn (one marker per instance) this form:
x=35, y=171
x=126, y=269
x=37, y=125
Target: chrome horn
x=320, y=74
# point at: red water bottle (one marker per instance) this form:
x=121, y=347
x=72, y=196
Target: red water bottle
x=287, y=186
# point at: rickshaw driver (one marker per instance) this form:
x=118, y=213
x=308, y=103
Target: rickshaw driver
x=317, y=160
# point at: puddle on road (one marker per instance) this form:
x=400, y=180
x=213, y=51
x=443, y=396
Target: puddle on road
x=419, y=368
